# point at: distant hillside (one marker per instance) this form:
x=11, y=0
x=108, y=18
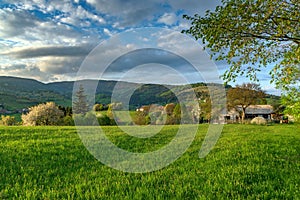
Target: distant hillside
x=19, y=93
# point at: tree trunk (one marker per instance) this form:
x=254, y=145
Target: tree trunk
x=243, y=114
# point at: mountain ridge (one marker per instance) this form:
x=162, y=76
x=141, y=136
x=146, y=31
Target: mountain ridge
x=18, y=93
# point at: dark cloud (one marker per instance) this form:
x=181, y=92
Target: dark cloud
x=146, y=56
x=55, y=51
x=61, y=66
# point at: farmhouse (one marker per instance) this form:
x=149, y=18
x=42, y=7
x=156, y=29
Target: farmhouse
x=252, y=111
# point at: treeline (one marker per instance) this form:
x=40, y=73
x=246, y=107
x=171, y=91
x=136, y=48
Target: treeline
x=49, y=114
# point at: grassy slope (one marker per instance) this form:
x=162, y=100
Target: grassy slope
x=247, y=162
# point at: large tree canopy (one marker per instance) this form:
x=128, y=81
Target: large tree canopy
x=251, y=35
x=43, y=115
x=242, y=96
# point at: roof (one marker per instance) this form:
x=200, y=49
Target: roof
x=258, y=109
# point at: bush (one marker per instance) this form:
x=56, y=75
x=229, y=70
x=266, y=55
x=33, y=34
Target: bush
x=88, y=119
x=98, y=107
x=141, y=118
x=258, y=120
x=104, y=120
x=8, y=120
x=43, y=115
x=68, y=121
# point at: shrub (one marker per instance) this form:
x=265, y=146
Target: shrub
x=42, y=115
x=141, y=118
x=8, y=120
x=258, y=120
x=90, y=119
x=104, y=120
x=98, y=107
x=68, y=121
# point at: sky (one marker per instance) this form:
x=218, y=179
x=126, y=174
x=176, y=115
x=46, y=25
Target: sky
x=53, y=40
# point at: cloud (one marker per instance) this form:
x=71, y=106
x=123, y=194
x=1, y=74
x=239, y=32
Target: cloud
x=27, y=30
x=168, y=19
x=128, y=13
x=194, y=6
x=26, y=70
x=48, y=40
x=44, y=69
x=134, y=12
x=56, y=51
x=60, y=65
x=107, y=32
x=52, y=38
x=81, y=17
x=15, y=22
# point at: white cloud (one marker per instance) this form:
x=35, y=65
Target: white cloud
x=80, y=14
x=107, y=32
x=168, y=19
x=25, y=70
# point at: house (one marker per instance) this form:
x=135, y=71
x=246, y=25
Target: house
x=251, y=112
x=151, y=108
x=264, y=111
x=143, y=109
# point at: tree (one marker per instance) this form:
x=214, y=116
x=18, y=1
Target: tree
x=182, y=115
x=110, y=111
x=169, y=108
x=80, y=106
x=66, y=110
x=177, y=113
x=43, y=114
x=251, y=35
x=205, y=108
x=242, y=96
x=98, y=107
x=292, y=106
x=141, y=118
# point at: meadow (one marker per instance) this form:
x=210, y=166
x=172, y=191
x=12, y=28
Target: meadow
x=248, y=162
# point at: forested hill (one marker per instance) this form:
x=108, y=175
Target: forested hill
x=17, y=93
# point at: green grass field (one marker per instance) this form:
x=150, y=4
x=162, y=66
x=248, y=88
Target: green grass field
x=248, y=162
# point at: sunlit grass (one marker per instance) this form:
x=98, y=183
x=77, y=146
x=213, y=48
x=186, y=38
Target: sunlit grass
x=255, y=162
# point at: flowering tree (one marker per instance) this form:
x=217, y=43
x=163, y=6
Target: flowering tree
x=42, y=115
